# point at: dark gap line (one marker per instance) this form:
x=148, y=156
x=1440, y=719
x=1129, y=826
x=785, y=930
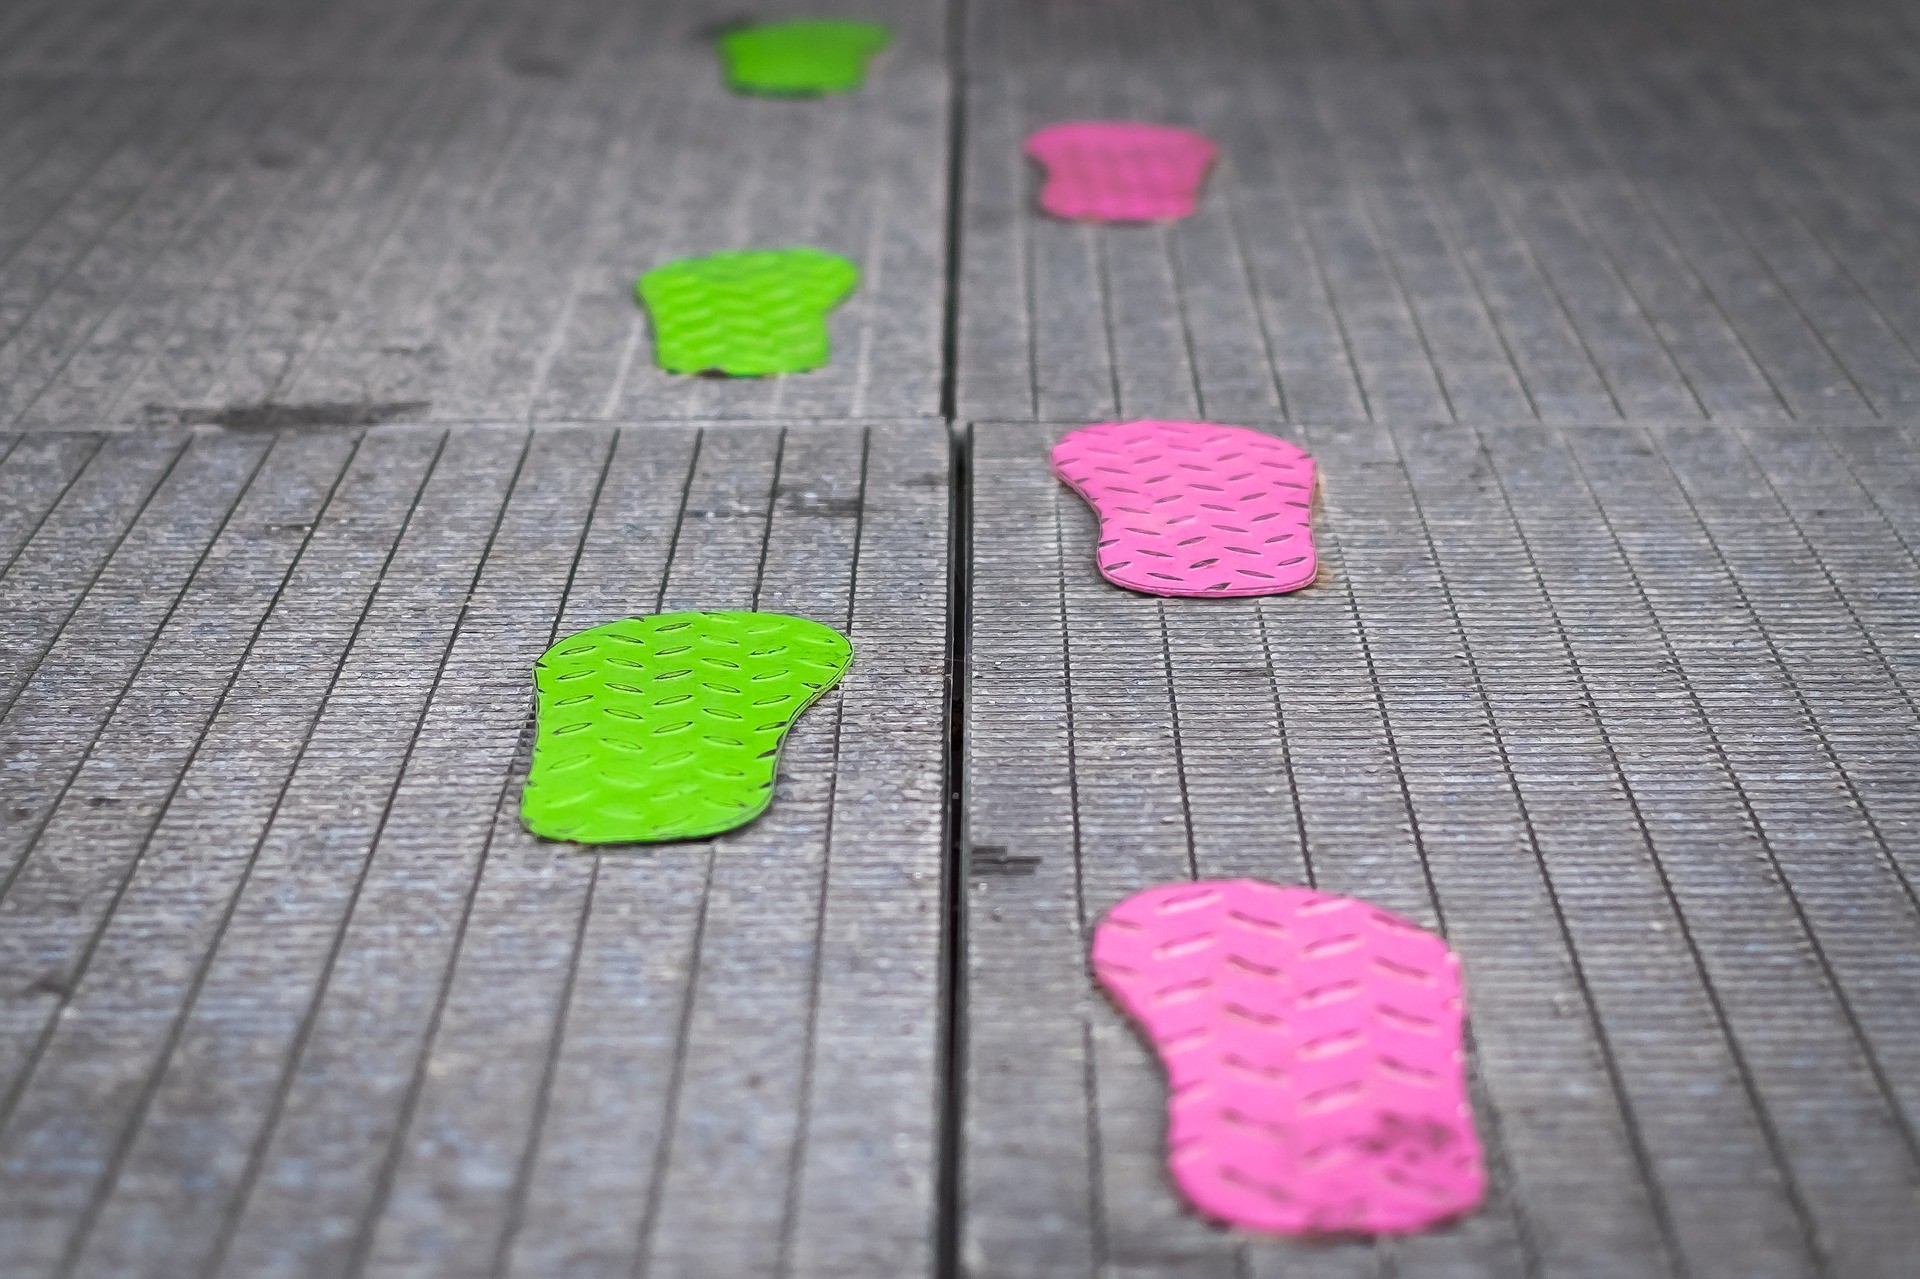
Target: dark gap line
x=956, y=182
x=949, y=1173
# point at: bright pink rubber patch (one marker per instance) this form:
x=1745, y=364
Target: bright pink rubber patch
x=1192, y=508
x=1313, y=1053
x=1110, y=172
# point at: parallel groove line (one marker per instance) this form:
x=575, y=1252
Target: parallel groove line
x=1231, y=196
x=791, y=1210
x=33, y=668
x=1839, y=772
x=1796, y=1197
x=186, y=227
x=79, y=343
x=536, y=1127
x=1497, y=192
x=1602, y=1039
x=11, y=1099
x=1096, y=1205
x=1598, y=243
x=26, y=539
x=656, y=1183
x=256, y=1156
x=397, y=217
x=163, y=1060
x=1667, y=222
x=383, y=1182
x=27, y=679
x=1382, y=246
x=1179, y=749
x=1664, y=228
x=183, y=145
x=1286, y=748
x=499, y=149
x=656, y=1189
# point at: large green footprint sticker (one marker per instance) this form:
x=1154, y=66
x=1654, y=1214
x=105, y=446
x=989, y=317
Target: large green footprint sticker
x=748, y=314
x=669, y=727
x=800, y=58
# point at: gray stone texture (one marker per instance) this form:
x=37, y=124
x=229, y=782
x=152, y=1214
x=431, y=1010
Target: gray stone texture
x=325, y=406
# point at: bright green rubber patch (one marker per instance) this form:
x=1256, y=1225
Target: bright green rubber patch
x=669, y=727
x=746, y=314
x=805, y=57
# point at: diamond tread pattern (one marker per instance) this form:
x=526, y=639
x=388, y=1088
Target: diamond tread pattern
x=751, y=313
x=802, y=58
x=1195, y=509
x=1314, y=1054
x=670, y=727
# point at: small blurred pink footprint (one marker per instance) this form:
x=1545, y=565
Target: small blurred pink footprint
x=1313, y=1052
x=1102, y=171
x=1195, y=508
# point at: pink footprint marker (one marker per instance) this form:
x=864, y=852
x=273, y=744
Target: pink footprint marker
x=1192, y=508
x=1099, y=171
x=1313, y=1053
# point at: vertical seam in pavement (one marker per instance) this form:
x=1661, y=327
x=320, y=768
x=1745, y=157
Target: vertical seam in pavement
x=951, y=1084
x=958, y=868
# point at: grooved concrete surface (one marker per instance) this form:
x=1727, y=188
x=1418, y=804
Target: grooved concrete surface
x=1626, y=711
x=324, y=405
x=436, y=211
x=1491, y=209
x=285, y=989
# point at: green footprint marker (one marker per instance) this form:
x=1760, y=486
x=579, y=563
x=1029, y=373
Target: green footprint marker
x=746, y=314
x=669, y=727
x=800, y=58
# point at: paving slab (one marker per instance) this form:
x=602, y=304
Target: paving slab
x=1622, y=711
x=284, y=986
x=234, y=219
x=325, y=402
x=1468, y=211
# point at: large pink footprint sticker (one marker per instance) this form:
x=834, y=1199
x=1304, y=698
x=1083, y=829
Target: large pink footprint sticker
x=1313, y=1053
x=1191, y=508
x=1109, y=172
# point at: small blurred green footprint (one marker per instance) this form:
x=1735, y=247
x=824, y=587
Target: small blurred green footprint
x=747, y=314
x=670, y=727
x=810, y=56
